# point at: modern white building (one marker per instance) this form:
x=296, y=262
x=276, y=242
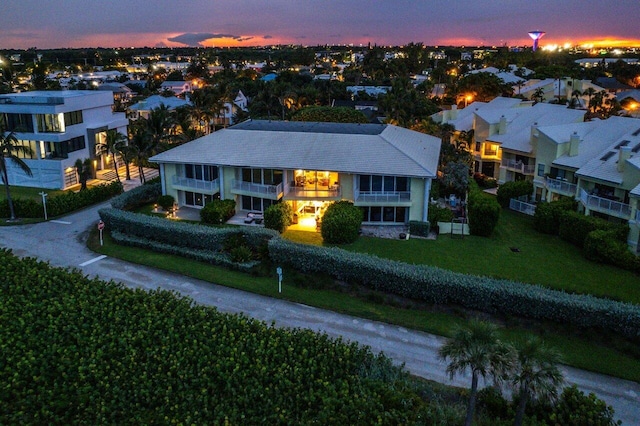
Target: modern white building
x=59, y=127
x=385, y=170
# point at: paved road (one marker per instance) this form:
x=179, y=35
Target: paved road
x=62, y=243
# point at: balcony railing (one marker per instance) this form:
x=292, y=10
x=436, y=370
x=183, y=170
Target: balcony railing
x=561, y=186
x=258, y=189
x=332, y=191
x=522, y=207
x=383, y=197
x=211, y=186
x=518, y=166
x=605, y=205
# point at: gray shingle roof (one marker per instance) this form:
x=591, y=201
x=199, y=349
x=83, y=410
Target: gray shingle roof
x=347, y=148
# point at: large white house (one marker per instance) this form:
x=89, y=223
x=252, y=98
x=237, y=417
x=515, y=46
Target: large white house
x=384, y=169
x=59, y=127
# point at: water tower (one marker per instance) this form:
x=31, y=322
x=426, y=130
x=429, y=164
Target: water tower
x=536, y=35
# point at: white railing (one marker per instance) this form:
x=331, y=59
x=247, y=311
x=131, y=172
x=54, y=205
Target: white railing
x=561, y=186
x=257, y=188
x=605, y=205
x=522, y=207
x=298, y=191
x=383, y=197
x=518, y=166
x=204, y=185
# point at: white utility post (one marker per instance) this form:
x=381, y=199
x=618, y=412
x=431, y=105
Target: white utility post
x=279, y=271
x=44, y=203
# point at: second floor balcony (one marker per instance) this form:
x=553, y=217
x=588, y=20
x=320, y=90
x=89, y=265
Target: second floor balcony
x=561, y=187
x=605, y=205
x=272, y=192
x=331, y=192
x=205, y=186
x=519, y=167
x=383, y=197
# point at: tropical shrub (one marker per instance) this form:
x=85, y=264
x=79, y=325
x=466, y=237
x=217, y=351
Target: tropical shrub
x=80, y=350
x=574, y=408
x=330, y=114
x=574, y=227
x=218, y=211
x=606, y=247
x=547, y=216
x=341, y=223
x=484, y=212
x=278, y=216
x=241, y=254
x=439, y=214
x=421, y=229
x=137, y=197
x=23, y=207
x=514, y=189
x=443, y=287
x=166, y=202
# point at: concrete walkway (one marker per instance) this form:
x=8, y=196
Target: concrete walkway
x=62, y=243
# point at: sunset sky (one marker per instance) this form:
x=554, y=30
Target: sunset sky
x=133, y=23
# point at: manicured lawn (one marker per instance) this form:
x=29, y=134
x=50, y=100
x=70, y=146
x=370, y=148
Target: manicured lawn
x=542, y=259
x=26, y=192
x=593, y=354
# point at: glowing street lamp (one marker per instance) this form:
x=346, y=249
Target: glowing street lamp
x=467, y=99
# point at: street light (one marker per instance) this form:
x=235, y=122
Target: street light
x=467, y=99
x=44, y=203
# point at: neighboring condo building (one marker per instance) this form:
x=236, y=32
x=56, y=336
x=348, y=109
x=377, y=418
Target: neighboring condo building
x=385, y=170
x=59, y=127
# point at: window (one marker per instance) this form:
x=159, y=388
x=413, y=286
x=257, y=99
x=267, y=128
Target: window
x=200, y=172
x=49, y=123
x=372, y=183
x=384, y=214
x=53, y=150
x=18, y=122
x=255, y=203
x=73, y=117
x=540, y=169
x=31, y=145
x=196, y=199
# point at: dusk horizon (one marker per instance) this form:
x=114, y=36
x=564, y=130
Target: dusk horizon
x=248, y=23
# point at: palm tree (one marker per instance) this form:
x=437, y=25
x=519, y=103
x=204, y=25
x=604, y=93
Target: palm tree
x=10, y=149
x=589, y=92
x=478, y=349
x=113, y=143
x=142, y=146
x=538, y=94
x=159, y=124
x=83, y=169
x=536, y=374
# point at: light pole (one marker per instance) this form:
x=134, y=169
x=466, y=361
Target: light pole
x=44, y=203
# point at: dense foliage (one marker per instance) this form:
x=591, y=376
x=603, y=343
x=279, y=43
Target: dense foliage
x=330, y=114
x=64, y=203
x=341, y=223
x=484, y=212
x=420, y=229
x=574, y=227
x=513, y=189
x=218, y=211
x=278, y=216
x=166, y=202
x=547, y=216
x=80, y=351
x=606, y=247
x=442, y=287
x=137, y=197
x=439, y=214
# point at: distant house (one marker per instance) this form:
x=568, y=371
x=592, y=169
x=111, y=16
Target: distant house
x=383, y=169
x=59, y=127
x=180, y=88
x=611, y=85
x=144, y=107
x=121, y=93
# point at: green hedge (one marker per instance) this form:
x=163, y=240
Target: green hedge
x=484, y=213
x=166, y=202
x=218, y=211
x=574, y=227
x=341, y=223
x=420, y=229
x=605, y=247
x=278, y=217
x=180, y=234
x=547, y=216
x=23, y=207
x=515, y=189
x=439, y=214
x=137, y=197
x=442, y=287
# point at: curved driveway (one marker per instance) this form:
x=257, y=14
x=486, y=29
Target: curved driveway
x=62, y=243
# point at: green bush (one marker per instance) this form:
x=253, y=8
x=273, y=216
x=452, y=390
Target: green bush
x=241, y=254
x=439, y=214
x=574, y=408
x=574, y=227
x=421, y=229
x=515, y=189
x=547, y=216
x=605, y=247
x=484, y=212
x=278, y=217
x=442, y=287
x=341, y=223
x=166, y=202
x=218, y=211
x=23, y=207
x=72, y=201
x=137, y=197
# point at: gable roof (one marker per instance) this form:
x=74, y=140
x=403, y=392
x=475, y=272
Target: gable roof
x=348, y=148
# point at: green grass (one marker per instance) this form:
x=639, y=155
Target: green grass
x=543, y=259
x=27, y=192
x=606, y=355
